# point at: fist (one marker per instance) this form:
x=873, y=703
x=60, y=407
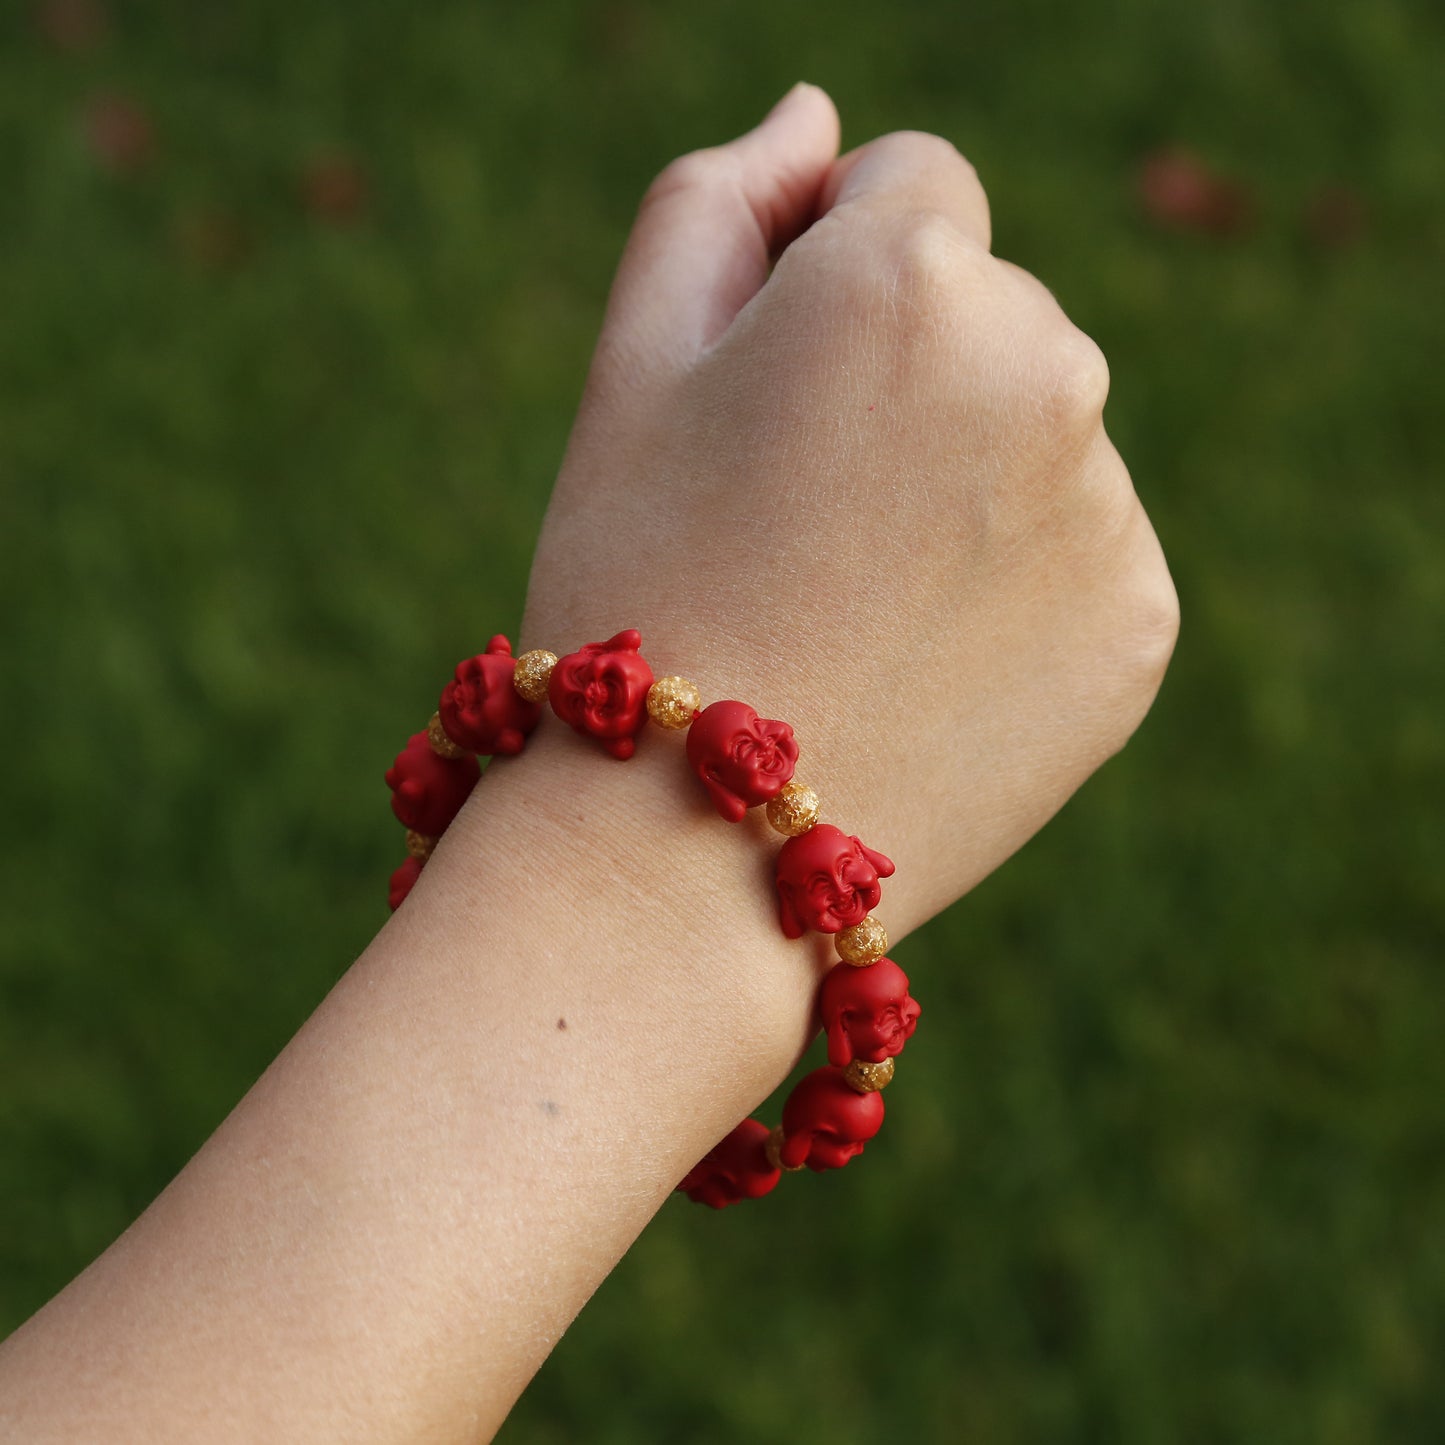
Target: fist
x=863, y=461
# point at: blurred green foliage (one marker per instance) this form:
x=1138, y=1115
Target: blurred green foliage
x=296, y=300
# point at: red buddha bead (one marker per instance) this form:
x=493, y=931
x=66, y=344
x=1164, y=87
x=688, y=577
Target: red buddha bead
x=601, y=690
x=480, y=708
x=427, y=790
x=826, y=1122
x=827, y=881
x=867, y=1012
x=742, y=759
x=401, y=882
x=735, y=1169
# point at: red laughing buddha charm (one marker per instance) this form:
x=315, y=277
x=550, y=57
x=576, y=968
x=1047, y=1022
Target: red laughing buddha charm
x=867, y=1012
x=427, y=791
x=826, y=1122
x=736, y=1169
x=481, y=710
x=601, y=690
x=827, y=881
x=742, y=759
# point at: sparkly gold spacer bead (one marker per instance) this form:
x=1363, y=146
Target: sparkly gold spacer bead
x=441, y=744
x=672, y=701
x=532, y=674
x=862, y=944
x=869, y=1078
x=773, y=1150
x=419, y=845
x=794, y=810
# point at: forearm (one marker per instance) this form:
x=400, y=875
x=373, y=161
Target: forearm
x=586, y=990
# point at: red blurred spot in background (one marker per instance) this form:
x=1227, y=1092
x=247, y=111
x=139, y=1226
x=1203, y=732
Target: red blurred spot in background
x=1336, y=217
x=1179, y=192
x=73, y=25
x=334, y=190
x=211, y=239
x=119, y=133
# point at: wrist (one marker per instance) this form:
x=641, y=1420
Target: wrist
x=643, y=929
x=640, y=916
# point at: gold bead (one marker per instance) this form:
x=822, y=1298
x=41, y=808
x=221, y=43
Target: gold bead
x=794, y=810
x=441, y=744
x=532, y=674
x=672, y=701
x=862, y=944
x=419, y=845
x=869, y=1078
x=773, y=1150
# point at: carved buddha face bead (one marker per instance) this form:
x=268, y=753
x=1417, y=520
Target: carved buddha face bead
x=867, y=1013
x=827, y=881
x=601, y=690
x=427, y=790
x=480, y=707
x=735, y=1169
x=742, y=759
x=826, y=1122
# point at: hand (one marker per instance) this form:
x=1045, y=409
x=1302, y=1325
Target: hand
x=869, y=493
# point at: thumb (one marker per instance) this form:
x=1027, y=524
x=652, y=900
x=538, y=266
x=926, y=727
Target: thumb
x=710, y=227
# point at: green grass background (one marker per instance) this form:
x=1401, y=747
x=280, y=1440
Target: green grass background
x=1168, y=1160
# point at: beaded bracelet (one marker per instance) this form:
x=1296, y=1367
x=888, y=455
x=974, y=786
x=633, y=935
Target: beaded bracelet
x=826, y=880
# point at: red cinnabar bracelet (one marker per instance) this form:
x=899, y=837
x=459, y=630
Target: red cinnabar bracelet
x=827, y=881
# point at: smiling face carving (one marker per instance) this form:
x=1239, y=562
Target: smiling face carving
x=867, y=1013
x=735, y=1169
x=481, y=710
x=601, y=690
x=742, y=759
x=827, y=881
x=826, y=1122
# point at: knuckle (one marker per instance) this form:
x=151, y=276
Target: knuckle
x=902, y=275
x=1074, y=379
x=937, y=268
x=926, y=250
x=1154, y=621
x=1145, y=630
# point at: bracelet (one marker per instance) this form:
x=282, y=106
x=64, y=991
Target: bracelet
x=827, y=881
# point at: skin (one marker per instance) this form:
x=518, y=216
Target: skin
x=834, y=457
